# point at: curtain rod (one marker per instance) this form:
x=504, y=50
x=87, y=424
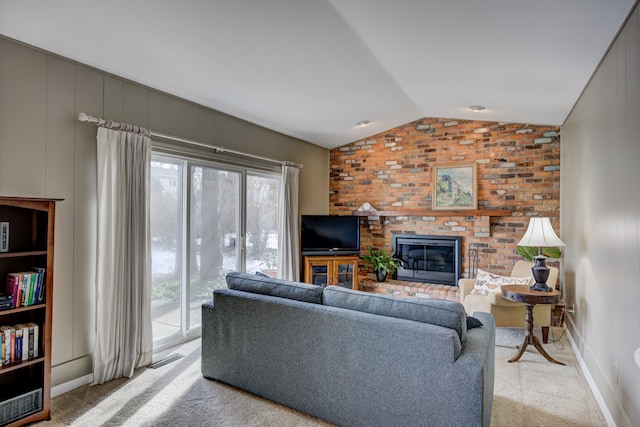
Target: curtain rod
x=99, y=121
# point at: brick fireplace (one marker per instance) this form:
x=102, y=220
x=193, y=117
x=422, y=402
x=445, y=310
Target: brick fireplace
x=518, y=176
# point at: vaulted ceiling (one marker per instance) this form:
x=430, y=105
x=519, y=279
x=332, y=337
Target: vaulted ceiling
x=312, y=69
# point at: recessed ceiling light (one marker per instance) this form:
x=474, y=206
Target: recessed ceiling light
x=363, y=123
x=476, y=108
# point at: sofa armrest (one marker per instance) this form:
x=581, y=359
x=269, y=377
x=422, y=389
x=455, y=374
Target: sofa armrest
x=465, y=285
x=477, y=364
x=207, y=335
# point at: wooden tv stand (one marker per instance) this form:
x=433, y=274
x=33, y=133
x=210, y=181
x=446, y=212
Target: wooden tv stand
x=332, y=270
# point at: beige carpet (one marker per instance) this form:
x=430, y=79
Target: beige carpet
x=531, y=392
x=534, y=392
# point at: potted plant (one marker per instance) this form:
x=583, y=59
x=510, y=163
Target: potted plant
x=381, y=263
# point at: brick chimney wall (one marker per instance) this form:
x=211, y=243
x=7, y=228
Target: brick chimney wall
x=518, y=170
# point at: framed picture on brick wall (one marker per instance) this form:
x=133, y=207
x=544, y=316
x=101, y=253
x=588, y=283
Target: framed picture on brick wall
x=455, y=186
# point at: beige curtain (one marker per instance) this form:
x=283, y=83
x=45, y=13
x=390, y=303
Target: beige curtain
x=123, y=287
x=288, y=240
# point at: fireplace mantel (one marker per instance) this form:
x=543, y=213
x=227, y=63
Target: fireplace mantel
x=376, y=219
x=427, y=212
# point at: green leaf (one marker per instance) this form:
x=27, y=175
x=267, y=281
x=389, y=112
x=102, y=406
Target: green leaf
x=552, y=252
x=530, y=252
x=377, y=259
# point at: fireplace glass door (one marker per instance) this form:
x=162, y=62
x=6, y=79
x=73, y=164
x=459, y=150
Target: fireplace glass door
x=429, y=259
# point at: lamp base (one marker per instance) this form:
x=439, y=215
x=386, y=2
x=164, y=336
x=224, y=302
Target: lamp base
x=542, y=287
x=540, y=273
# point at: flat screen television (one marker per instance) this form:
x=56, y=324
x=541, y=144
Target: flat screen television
x=330, y=235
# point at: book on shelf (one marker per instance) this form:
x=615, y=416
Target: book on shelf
x=27, y=288
x=6, y=301
x=34, y=350
x=14, y=287
x=12, y=355
x=6, y=341
x=17, y=350
x=23, y=352
x=40, y=284
x=19, y=343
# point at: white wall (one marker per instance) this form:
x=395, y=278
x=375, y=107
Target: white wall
x=46, y=152
x=600, y=223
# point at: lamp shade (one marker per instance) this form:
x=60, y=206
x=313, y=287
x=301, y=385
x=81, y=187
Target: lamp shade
x=540, y=234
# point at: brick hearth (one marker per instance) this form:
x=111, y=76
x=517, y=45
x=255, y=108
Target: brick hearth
x=404, y=289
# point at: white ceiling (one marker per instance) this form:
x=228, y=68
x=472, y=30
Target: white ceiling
x=312, y=69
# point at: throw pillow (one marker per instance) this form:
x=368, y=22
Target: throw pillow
x=473, y=322
x=487, y=282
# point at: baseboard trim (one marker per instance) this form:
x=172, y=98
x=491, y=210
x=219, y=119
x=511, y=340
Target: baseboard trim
x=71, y=385
x=592, y=384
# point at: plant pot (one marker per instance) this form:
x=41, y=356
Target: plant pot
x=381, y=276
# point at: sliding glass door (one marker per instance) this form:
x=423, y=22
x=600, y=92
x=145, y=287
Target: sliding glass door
x=214, y=228
x=167, y=193
x=206, y=220
x=262, y=224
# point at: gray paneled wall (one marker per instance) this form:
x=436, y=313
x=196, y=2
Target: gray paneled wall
x=46, y=151
x=24, y=119
x=600, y=223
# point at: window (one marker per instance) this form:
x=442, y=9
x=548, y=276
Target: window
x=215, y=219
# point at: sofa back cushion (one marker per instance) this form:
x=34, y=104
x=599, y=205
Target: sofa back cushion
x=274, y=287
x=449, y=314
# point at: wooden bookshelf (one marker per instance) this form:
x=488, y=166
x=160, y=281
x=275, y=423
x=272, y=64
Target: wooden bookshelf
x=25, y=385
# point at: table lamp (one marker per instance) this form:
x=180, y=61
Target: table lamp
x=540, y=233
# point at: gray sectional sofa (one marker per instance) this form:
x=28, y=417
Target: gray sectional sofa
x=350, y=358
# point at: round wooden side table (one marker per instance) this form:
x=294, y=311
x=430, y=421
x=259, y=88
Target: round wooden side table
x=522, y=293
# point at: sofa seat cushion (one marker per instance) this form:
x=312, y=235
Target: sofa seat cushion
x=274, y=287
x=449, y=314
